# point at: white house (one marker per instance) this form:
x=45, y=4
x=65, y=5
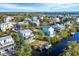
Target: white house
x=57, y=19
x=7, y=45
x=35, y=20
x=77, y=20
x=8, y=19
x=68, y=24
x=27, y=34
x=6, y=41
x=49, y=31
x=23, y=23
x=41, y=17
x=59, y=26
x=27, y=19
x=6, y=26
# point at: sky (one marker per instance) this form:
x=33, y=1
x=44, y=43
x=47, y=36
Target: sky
x=38, y=7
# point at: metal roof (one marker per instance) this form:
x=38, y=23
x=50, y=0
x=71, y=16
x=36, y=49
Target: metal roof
x=6, y=37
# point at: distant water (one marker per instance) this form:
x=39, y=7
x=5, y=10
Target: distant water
x=61, y=15
x=57, y=49
x=54, y=14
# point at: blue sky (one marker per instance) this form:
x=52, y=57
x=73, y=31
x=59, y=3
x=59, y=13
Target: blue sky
x=38, y=7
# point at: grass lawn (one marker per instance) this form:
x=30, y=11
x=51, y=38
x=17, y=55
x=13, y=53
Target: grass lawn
x=37, y=42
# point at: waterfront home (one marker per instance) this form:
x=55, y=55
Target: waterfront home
x=49, y=30
x=58, y=26
x=35, y=21
x=6, y=26
x=67, y=16
x=40, y=45
x=8, y=19
x=26, y=34
x=72, y=33
x=7, y=45
x=77, y=20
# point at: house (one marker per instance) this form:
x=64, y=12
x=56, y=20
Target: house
x=49, y=30
x=23, y=23
x=27, y=19
x=40, y=45
x=56, y=19
x=72, y=33
x=6, y=26
x=68, y=24
x=59, y=26
x=26, y=34
x=8, y=19
x=41, y=17
x=6, y=41
x=77, y=20
x=15, y=27
x=35, y=20
x=7, y=45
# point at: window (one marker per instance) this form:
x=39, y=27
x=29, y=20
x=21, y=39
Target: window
x=4, y=41
x=0, y=44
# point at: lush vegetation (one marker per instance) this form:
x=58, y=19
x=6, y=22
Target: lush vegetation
x=72, y=49
x=24, y=48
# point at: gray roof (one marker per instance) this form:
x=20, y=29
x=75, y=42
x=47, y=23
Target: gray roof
x=6, y=37
x=25, y=31
x=4, y=43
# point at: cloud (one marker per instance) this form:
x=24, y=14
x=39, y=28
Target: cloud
x=60, y=6
x=67, y=6
x=16, y=7
x=39, y=7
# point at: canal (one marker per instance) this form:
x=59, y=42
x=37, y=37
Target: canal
x=59, y=48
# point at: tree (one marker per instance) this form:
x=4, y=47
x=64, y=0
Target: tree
x=64, y=33
x=54, y=40
x=73, y=28
x=46, y=20
x=16, y=37
x=72, y=49
x=25, y=50
x=39, y=35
